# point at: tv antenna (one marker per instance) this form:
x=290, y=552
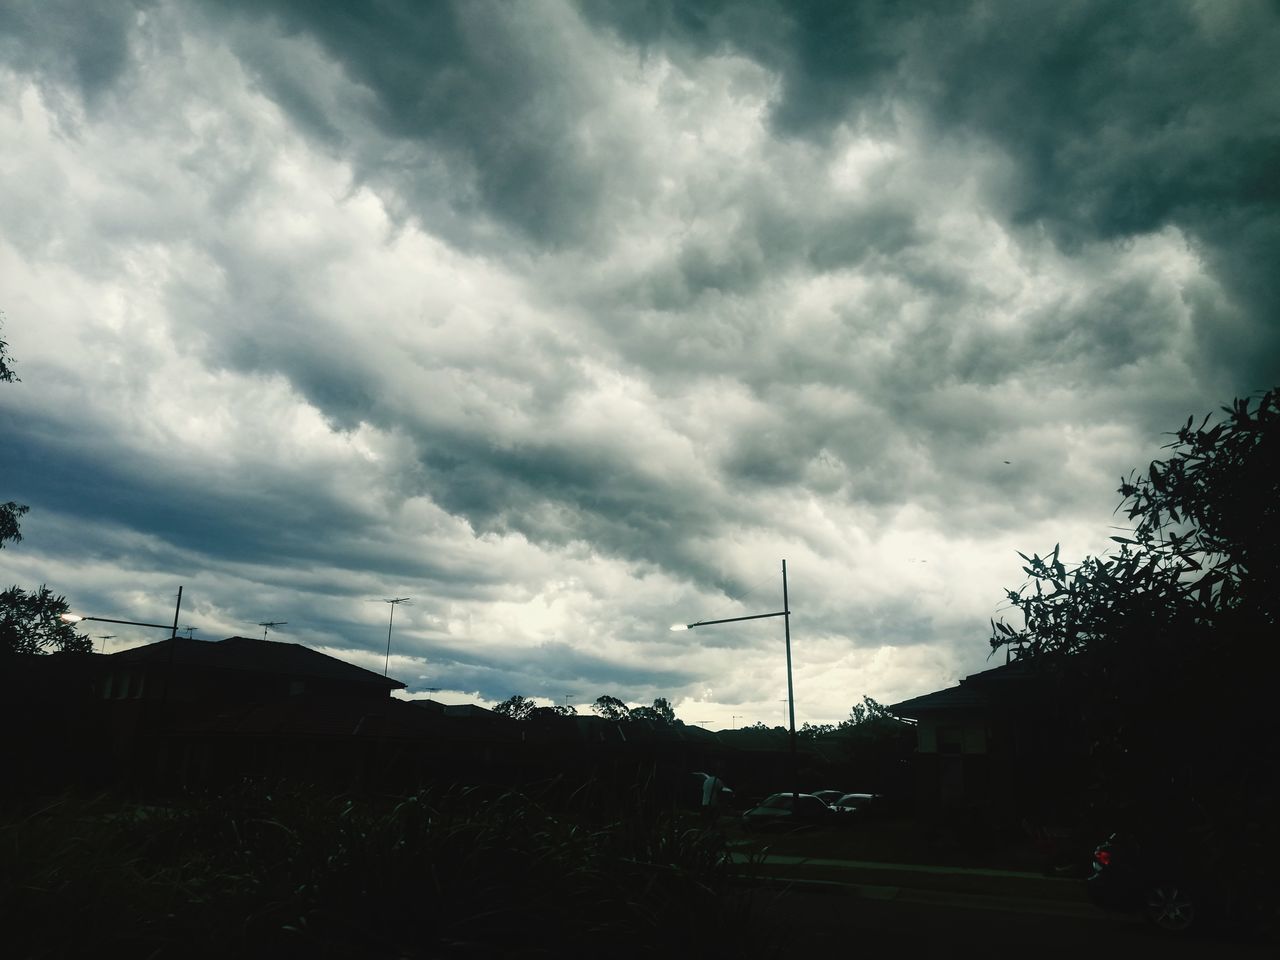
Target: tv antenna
x=191, y=630
x=395, y=602
x=104, y=639
x=267, y=625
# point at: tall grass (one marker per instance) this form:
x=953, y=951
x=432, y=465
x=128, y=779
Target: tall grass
x=453, y=871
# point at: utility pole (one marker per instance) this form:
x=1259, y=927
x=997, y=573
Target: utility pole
x=785, y=613
x=394, y=602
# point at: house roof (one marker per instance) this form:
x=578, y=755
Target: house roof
x=953, y=698
x=975, y=692
x=250, y=654
x=322, y=717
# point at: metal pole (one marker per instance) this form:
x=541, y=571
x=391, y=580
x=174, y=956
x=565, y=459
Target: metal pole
x=173, y=647
x=176, y=611
x=390, y=620
x=754, y=616
x=791, y=694
x=386, y=664
x=131, y=623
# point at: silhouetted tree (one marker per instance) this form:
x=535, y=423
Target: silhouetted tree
x=865, y=712
x=812, y=731
x=516, y=707
x=662, y=707
x=31, y=623
x=566, y=710
x=9, y=529
x=1207, y=521
x=611, y=708
x=660, y=713
x=9, y=511
x=6, y=371
x=1186, y=608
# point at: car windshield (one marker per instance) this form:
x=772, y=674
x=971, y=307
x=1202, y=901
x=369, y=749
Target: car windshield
x=779, y=801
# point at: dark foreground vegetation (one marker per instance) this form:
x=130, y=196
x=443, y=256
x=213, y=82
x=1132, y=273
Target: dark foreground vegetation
x=1160, y=651
x=450, y=871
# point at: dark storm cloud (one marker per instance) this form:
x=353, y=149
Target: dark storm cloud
x=1097, y=107
x=267, y=517
x=1121, y=118
x=1125, y=119
x=483, y=88
x=770, y=241
x=551, y=670
x=562, y=493
x=66, y=42
x=833, y=56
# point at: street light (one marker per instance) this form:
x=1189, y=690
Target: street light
x=785, y=613
x=76, y=618
x=172, y=628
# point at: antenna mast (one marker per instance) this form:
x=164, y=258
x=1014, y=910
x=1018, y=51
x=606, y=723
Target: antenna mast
x=269, y=625
x=394, y=601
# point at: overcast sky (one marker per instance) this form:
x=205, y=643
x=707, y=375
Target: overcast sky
x=572, y=320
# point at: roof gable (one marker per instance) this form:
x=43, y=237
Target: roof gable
x=253, y=655
x=975, y=692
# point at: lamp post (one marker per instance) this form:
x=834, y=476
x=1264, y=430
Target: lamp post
x=172, y=628
x=76, y=618
x=785, y=613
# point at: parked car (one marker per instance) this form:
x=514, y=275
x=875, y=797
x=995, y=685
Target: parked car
x=860, y=804
x=1129, y=878
x=828, y=796
x=787, y=811
x=1179, y=881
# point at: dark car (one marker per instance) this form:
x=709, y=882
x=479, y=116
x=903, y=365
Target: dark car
x=1179, y=881
x=828, y=796
x=862, y=805
x=787, y=811
x=1131, y=876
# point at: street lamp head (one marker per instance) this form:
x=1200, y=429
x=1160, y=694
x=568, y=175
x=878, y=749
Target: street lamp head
x=70, y=618
x=678, y=626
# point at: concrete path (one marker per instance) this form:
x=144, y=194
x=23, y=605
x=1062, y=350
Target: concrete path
x=1006, y=890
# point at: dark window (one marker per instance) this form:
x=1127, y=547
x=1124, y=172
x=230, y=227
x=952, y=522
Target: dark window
x=950, y=740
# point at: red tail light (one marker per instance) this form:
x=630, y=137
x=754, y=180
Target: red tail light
x=1102, y=856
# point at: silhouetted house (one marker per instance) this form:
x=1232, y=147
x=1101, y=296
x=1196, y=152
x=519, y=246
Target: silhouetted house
x=51, y=735
x=1007, y=736
x=346, y=742
x=172, y=711
x=235, y=670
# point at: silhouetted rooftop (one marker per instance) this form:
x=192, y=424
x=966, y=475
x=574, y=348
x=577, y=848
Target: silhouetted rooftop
x=253, y=655
x=973, y=692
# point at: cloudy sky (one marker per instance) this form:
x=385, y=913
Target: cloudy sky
x=571, y=320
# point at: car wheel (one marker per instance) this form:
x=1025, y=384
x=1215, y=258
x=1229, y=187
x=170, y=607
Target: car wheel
x=1170, y=907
